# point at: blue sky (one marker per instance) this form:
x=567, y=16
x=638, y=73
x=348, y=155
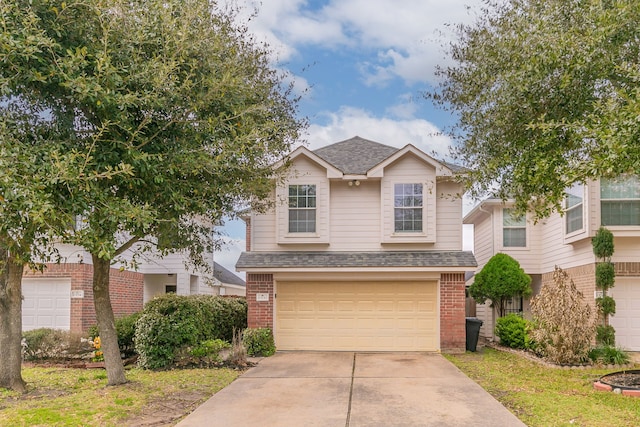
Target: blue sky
x=361, y=67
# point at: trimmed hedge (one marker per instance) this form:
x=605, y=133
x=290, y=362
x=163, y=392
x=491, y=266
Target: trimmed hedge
x=170, y=323
x=513, y=331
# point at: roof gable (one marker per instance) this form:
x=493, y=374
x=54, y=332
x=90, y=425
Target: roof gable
x=378, y=170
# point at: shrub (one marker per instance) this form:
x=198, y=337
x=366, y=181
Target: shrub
x=513, y=331
x=126, y=329
x=499, y=280
x=605, y=275
x=609, y=355
x=171, y=323
x=605, y=335
x=204, y=355
x=606, y=305
x=259, y=342
x=45, y=343
x=602, y=243
x=564, y=324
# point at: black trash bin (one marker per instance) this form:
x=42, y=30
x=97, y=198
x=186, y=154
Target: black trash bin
x=473, y=332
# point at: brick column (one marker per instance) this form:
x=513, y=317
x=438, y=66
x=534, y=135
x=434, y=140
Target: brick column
x=452, y=317
x=259, y=313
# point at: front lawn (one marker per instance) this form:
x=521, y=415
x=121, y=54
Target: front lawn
x=74, y=397
x=545, y=396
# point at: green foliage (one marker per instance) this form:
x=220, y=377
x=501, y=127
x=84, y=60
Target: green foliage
x=513, y=331
x=170, y=323
x=46, y=343
x=563, y=322
x=162, y=116
x=602, y=243
x=606, y=305
x=605, y=335
x=126, y=329
x=259, y=342
x=209, y=348
x=545, y=92
x=499, y=280
x=605, y=275
x=609, y=355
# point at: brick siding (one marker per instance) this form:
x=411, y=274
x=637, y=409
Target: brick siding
x=452, y=309
x=126, y=289
x=259, y=313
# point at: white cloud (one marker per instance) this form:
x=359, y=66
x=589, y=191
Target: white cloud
x=349, y=122
x=408, y=34
x=229, y=254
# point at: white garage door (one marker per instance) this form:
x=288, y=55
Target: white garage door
x=358, y=316
x=46, y=303
x=626, y=321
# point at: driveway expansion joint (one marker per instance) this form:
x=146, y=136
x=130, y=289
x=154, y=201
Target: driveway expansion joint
x=353, y=370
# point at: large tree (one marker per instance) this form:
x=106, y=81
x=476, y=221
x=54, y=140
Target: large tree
x=31, y=168
x=174, y=92
x=546, y=95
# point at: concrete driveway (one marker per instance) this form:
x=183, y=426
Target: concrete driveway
x=351, y=390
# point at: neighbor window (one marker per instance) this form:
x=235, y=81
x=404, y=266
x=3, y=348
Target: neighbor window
x=620, y=201
x=302, y=209
x=514, y=230
x=408, y=207
x=574, y=204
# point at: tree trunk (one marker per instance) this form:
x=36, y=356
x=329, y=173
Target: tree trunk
x=106, y=323
x=11, y=323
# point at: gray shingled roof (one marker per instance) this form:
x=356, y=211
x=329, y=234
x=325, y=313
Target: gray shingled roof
x=355, y=156
x=225, y=276
x=356, y=259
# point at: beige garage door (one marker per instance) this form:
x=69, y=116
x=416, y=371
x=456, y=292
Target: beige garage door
x=362, y=316
x=626, y=321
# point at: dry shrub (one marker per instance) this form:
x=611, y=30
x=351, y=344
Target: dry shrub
x=564, y=323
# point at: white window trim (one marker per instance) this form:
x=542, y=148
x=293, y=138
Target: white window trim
x=568, y=236
x=289, y=209
x=527, y=233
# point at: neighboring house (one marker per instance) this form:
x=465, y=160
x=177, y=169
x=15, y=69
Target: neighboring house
x=362, y=251
x=565, y=241
x=61, y=296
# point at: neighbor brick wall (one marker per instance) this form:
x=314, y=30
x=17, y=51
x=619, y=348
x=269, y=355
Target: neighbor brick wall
x=452, y=317
x=259, y=313
x=126, y=289
x=584, y=277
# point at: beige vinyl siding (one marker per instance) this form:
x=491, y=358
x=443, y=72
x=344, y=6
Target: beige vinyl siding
x=355, y=217
x=483, y=236
x=555, y=252
x=448, y=217
x=263, y=231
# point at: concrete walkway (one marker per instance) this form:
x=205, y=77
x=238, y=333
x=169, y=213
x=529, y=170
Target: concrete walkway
x=352, y=390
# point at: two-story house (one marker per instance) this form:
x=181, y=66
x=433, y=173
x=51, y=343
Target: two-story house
x=361, y=251
x=565, y=240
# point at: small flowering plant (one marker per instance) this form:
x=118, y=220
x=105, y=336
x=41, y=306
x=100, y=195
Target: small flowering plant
x=98, y=356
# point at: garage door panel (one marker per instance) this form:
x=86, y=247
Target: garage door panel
x=368, y=316
x=46, y=303
x=626, y=321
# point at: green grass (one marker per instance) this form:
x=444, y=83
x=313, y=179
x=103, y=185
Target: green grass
x=74, y=397
x=546, y=396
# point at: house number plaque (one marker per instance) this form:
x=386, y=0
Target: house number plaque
x=262, y=297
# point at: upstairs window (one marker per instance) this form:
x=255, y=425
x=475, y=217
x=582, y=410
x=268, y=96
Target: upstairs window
x=620, y=201
x=302, y=209
x=408, y=204
x=574, y=208
x=514, y=230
